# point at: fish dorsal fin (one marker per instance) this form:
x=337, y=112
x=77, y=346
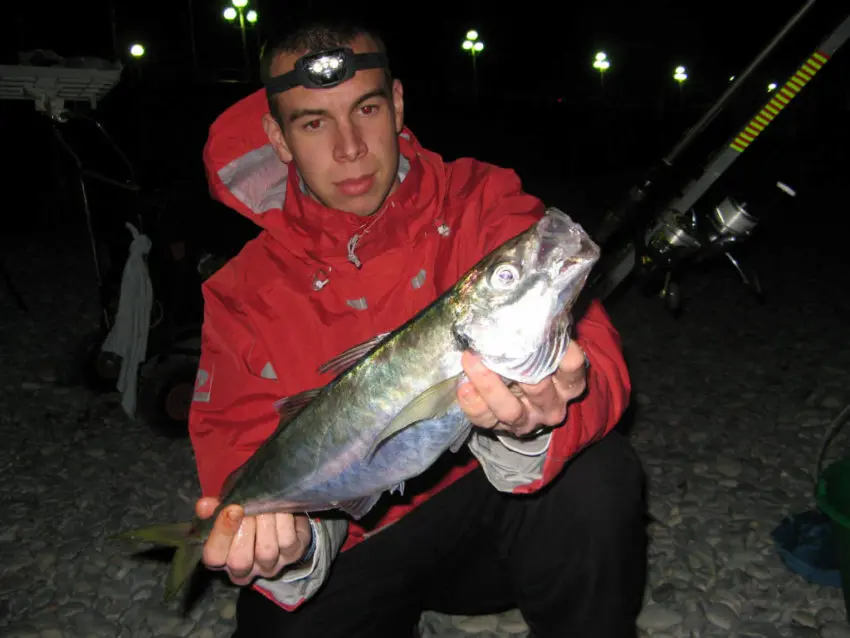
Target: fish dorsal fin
x=347, y=359
x=431, y=404
x=288, y=407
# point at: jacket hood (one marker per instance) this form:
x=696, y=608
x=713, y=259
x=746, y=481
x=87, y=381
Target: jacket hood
x=245, y=174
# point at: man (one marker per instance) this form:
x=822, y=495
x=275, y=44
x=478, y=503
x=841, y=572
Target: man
x=362, y=228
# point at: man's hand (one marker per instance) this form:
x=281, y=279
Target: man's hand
x=521, y=409
x=250, y=546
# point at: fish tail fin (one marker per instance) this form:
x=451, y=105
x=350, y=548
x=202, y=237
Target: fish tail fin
x=186, y=558
x=182, y=536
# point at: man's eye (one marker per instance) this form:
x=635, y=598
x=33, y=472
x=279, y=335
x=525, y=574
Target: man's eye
x=369, y=109
x=313, y=125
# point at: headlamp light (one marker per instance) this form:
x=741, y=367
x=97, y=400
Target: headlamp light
x=326, y=69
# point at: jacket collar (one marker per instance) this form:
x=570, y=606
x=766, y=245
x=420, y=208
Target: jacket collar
x=335, y=238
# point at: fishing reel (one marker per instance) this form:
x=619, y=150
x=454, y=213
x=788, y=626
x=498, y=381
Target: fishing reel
x=677, y=238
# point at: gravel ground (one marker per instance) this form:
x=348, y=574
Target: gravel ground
x=731, y=400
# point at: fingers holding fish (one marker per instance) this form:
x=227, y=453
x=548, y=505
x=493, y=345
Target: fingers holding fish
x=571, y=388
x=240, y=557
x=520, y=409
x=267, y=546
x=571, y=376
x=574, y=360
x=205, y=507
x=548, y=406
x=293, y=537
x=485, y=399
x=217, y=547
x=475, y=408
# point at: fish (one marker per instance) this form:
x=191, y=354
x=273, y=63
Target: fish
x=391, y=410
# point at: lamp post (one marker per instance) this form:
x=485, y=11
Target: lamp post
x=238, y=10
x=474, y=46
x=601, y=64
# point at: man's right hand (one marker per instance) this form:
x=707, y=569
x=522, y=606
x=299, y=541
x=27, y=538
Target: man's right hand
x=247, y=547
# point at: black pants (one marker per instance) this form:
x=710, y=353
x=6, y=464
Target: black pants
x=571, y=557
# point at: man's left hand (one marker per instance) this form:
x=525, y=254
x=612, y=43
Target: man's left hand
x=521, y=409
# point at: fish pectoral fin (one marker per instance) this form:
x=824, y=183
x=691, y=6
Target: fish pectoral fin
x=358, y=507
x=462, y=436
x=347, y=359
x=431, y=404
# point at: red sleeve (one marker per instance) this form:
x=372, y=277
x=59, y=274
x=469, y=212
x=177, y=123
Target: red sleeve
x=232, y=411
x=606, y=399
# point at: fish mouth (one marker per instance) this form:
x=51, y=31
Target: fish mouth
x=564, y=250
x=570, y=273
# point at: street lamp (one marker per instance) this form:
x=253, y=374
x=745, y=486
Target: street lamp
x=137, y=50
x=680, y=74
x=238, y=11
x=601, y=64
x=474, y=46
x=771, y=87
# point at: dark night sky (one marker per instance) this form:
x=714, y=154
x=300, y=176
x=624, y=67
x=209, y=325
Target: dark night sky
x=644, y=39
x=531, y=55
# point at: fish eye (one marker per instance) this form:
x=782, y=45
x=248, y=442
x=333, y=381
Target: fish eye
x=504, y=276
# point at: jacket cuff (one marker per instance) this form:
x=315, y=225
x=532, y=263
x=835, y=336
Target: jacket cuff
x=509, y=462
x=528, y=446
x=303, y=569
x=296, y=584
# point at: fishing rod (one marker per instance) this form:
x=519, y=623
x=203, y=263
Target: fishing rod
x=617, y=218
x=678, y=232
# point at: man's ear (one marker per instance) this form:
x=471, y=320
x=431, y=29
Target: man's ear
x=275, y=135
x=398, y=105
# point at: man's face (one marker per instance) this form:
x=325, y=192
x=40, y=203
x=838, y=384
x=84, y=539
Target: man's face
x=344, y=140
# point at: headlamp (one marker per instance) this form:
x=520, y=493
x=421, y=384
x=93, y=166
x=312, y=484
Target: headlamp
x=326, y=69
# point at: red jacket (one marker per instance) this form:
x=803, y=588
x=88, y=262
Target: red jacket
x=268, y=327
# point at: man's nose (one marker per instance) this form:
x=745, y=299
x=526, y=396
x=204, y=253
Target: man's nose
x=349, y=145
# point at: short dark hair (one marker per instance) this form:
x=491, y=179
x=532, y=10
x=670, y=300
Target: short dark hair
x=312, y=37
